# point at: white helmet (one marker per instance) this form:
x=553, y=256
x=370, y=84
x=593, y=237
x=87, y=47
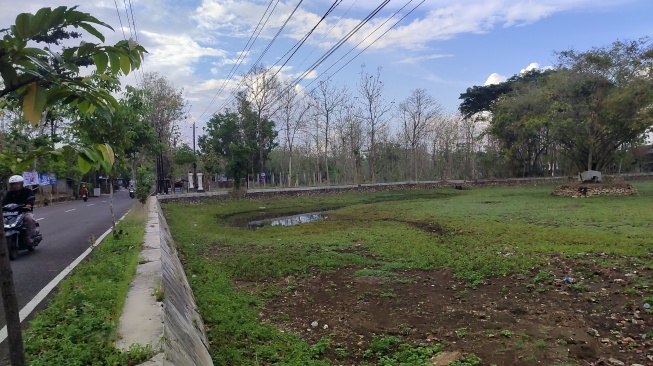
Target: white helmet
x=16, y=179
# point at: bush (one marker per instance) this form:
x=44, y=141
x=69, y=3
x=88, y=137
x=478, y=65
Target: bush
x=143, y=184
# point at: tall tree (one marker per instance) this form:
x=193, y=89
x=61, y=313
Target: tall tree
x=374, y=108
x=328, y=98
x=417, y=113
x=166, y=108
x=292, y=114
x=262, y=91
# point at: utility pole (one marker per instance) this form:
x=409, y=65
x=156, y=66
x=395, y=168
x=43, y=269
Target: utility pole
x=195, y=159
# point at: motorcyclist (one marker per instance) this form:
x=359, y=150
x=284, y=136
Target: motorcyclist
x=83, y=190
x=21, y=195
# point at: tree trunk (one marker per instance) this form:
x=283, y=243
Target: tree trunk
x=290, y=169
x=113, y=215
x=10, y=302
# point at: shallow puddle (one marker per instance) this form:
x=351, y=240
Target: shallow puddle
x=288, y=220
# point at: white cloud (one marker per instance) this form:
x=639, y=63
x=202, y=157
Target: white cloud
x=412, y=60
x=534, y=66
x=495, y=78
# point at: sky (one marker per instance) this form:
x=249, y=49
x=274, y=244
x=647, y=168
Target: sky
x=443, y=46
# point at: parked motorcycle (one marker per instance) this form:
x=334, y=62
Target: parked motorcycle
x=15, y=230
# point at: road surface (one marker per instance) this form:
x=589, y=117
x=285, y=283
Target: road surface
x=67, y=230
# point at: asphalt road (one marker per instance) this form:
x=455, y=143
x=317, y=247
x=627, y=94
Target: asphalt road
x=67, y=230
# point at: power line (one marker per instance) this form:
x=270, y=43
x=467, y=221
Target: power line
x=369, y=35
x=342, y=41
x=232, y=94
x=140, y=69
x=132, y=31
x=327, y=33
x=120, y=19
x=241, y=57
x=295, y=47
x=359, y=43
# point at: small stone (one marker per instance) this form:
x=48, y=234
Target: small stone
x=605, y=340
x=445, y=358
x=593, y=332
x=618, y=280
x=315, y=324
x=325, y=327
x=615, y=362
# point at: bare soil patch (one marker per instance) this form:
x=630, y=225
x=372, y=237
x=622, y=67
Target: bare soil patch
x=517, y=320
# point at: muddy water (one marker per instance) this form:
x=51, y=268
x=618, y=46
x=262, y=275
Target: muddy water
x=288, y=220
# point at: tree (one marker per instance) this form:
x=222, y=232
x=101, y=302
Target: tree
x=374, y=107
x=292, y=114
x=27, y=75
x=601, y=99
x=328, y=99
x=418, y=113
x=235, y=136
x=262, y=89
x=165, y=106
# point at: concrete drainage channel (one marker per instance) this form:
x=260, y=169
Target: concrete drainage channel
x=160, y=309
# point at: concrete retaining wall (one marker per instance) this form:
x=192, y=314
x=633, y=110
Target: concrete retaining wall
x=185, y=337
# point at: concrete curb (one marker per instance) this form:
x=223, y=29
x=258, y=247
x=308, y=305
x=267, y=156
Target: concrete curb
x=174, y=325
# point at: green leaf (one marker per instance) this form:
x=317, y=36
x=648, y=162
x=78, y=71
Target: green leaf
x=34, y=103
x=89, y=28
x=115, y=62
x=23, y=27
x=56, y=18
x=39, y=20
x=107, y=153
x=83, y=164
x=101, y=61
x=125, y=63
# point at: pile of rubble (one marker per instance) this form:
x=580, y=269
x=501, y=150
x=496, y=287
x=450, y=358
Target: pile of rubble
x=594, y=189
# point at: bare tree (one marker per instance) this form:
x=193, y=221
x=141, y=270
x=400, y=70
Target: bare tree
x=417, y=113
x=263, y=90
x=292, y=113
x=374, y=108
x=328, y=98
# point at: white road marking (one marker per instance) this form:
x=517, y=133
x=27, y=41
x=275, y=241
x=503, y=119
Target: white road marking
x=71, y=210
x=25, y=311
x=90, y=204
x=104, y=201
x=40, y=219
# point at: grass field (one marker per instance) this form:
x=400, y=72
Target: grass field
x=502, y=275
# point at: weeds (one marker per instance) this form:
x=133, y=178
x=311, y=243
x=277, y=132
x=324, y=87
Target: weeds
x=78, y=327
x=381, y=233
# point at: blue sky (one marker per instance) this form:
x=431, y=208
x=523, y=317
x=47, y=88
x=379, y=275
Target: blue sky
x=443, y=46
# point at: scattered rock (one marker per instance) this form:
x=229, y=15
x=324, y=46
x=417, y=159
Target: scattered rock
x=593, y=332
x=615, y=362
x=443, y=359
x=315, y=324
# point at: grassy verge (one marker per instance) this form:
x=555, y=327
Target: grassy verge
x=79, y=326
x=478, y=234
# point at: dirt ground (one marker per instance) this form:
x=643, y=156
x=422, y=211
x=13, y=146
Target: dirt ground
x=594, y=317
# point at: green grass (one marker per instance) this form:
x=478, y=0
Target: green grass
x=383, y=233
x=79, y=325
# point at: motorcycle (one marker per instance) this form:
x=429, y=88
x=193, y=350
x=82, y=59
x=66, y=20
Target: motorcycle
x=131, y=192
x=85, y=197
x=15, y=230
